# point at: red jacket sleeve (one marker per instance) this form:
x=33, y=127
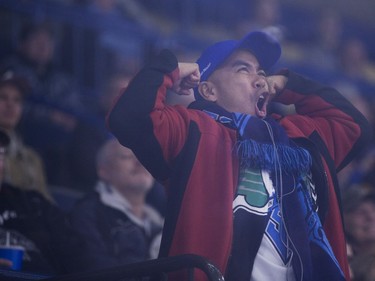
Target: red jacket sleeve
x=142, y=121
x=323, y=110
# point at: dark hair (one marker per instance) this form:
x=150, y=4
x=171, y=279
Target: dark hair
x=9, y=77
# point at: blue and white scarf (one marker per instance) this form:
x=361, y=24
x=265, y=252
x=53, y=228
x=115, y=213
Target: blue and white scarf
x=264, y=144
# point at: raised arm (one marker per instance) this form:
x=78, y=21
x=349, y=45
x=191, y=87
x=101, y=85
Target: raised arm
x=323, y=114
x=142, y=121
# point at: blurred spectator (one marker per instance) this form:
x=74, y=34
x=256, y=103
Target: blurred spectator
x=23, y=166
x=359, y=219
x=34, y=60
x=363, y=267
x=116, y=224
x=265, y=15
x=119, y=38
x=28, y=220
x=90, y=134
x=354, y=61
x=322, y=51
x=49, y=113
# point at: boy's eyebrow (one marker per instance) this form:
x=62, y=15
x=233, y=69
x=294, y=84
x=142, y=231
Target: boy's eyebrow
x=240, y=62
x=245, y=63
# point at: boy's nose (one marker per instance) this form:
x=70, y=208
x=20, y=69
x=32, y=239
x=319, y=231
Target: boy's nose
x=260, y=83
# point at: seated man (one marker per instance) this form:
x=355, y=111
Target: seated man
x=116, y=224
x=29, y=220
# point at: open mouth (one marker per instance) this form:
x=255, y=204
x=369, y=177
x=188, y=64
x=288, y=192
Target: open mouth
x=262, y=105
x=261, y=102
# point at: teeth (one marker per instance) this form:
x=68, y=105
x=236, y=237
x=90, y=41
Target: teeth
x=260, y=102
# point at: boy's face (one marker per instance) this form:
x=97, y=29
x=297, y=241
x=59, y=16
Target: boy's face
x=239, y=85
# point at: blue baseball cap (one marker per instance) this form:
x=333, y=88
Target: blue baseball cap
x=263, y=46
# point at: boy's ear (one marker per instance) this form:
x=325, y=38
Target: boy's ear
x=207, y=91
